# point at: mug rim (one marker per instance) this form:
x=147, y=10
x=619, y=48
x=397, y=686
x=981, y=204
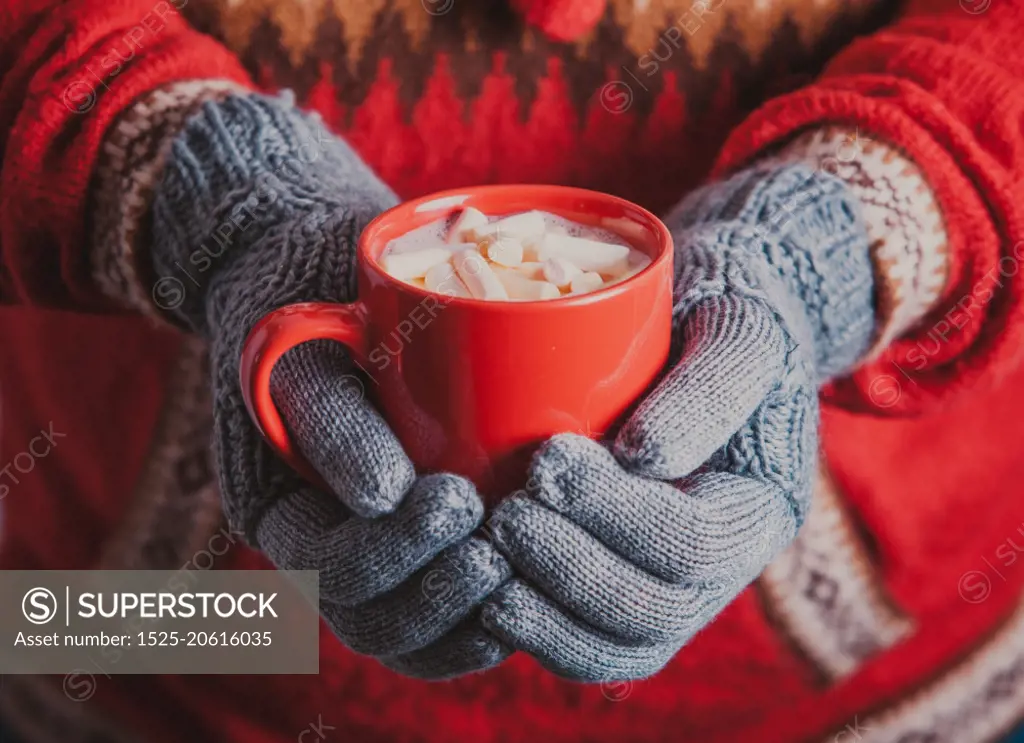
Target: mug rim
x=457, y=195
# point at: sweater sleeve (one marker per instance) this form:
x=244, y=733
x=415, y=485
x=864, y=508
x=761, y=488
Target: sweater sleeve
x=68, y=69
x=945, y=85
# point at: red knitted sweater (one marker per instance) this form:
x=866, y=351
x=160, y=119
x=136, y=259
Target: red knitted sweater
x=897, y=617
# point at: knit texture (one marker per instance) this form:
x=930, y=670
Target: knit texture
x=952, y=105
x=909, y=247
x=626, y=554
x=808, y=228
x=476, y=96
x=562, y=20
x=126, y=174
x=265, y=208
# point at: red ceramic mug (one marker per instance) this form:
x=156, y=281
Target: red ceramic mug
x=472, y=386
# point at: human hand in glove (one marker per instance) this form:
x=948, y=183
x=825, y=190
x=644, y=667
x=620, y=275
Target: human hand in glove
x=624, y=551
x=267, y=208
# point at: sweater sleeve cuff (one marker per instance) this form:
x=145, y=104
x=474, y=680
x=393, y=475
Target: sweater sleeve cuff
x=972, y=337
x=128, y=169
x=66, y=80
x=908, y=244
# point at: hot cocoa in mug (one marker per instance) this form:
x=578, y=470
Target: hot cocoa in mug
x=489, y=319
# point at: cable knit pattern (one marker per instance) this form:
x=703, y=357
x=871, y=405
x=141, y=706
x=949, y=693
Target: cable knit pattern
x=625, y=553
x=909, y=247
x=259, y=207
x=810, y=230
x=130, y=165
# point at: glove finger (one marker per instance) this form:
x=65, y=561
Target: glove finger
x=590, y=581
x=695, y=531
x=466, y=649
x=425, y=607
x=360, y=558
x=338, y=431
x=529, y=621
x=734, y=354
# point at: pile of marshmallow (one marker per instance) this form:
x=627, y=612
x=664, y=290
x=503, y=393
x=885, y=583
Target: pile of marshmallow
x=522, y=257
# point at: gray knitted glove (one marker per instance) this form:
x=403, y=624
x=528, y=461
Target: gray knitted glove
x=626, y=551
x=264, y=208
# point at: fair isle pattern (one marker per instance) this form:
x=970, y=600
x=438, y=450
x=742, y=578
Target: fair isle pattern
x=910, y=250
x=176, y=504
x=643, y=23
x=977, y=701
x=638, y=108
x=175, y=512
x=753, y=21
x=824, y=593
x=175, y=509
x=38, y=710
x=126, y=174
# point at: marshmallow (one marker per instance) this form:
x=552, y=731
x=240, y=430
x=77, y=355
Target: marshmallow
x=560, y=272
x=523, y=226
x=505, y=251
x=519, y=257
x=531, y=247
x=442, y=279
x=586, y=255
x=522, y=288
x=586, y=282
x=415, y=264
x=465, y=225
x=532, y=270
x=478, y=276
x=637, y=263
x=627, y=228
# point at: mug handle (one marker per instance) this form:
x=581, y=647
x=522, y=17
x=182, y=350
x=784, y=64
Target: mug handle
x=271, y=338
